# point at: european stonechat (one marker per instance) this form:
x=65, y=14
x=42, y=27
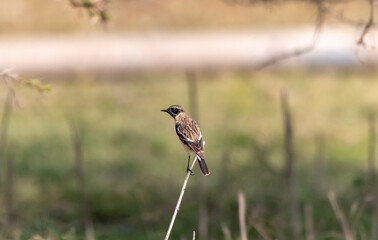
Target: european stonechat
x=189, y=134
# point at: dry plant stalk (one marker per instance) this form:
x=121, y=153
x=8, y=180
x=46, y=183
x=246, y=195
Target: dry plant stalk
x=317, y=175
x=242, y=215
x=5, y=123
x=372, y=173
x=8, y=161
x=179, y=200
x=8, y=195
x=340, y=216
x=226, y=231
x=9, y=78
x=371, y=146
x=309, y=222
x=290, y=166
x=260, y=229
x=76, y=136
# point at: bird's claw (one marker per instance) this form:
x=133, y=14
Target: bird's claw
x=189, y=170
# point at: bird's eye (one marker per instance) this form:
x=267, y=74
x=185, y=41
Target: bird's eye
x=175, y=110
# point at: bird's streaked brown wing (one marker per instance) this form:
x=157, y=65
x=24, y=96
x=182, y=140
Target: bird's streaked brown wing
x=190, y=134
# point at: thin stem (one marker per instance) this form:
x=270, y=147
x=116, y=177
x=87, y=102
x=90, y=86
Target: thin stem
x=4, y=125
x=309, y=222
x=260, y=229
x=77, y=141
x=179, y=200
x=226, y=231
x=290, y=166
x=242, y=216
x=340, y=216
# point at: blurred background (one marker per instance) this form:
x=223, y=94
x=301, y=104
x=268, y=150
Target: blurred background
x=285, y=93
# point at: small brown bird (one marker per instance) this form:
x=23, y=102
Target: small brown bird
x=190, y=135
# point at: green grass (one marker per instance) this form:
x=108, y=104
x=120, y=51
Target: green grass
x=134, y=164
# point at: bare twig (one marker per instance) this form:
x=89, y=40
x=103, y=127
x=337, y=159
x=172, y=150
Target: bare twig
x=339, y=16
x=95, y=8
x=356, y=210
x=8, y=195
x=76, y=137
x=8, y=78
x=369, y=24
x=261, y=230
x=340, y=216
x=5, y=123
x=226, y=231
x=300, y=51
x=179, y=200
x=242, y=215
x=372, y=173
x=7, y=111
x=309, y=222
x=371, y=146
x=317, y=171
x=194, y=235
x=290, y=166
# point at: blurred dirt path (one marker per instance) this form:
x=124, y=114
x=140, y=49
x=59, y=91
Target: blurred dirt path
x=178, y=51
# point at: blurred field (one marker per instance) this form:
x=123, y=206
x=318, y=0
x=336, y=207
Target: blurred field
x=134, y=163
x=39, y=16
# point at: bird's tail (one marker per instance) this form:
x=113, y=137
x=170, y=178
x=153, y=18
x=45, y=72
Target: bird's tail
x=205, y=171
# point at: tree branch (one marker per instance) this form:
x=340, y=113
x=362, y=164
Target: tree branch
x=300, y=51
x=369, y=24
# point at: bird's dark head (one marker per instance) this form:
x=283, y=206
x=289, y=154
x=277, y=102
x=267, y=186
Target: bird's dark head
x=174, y=110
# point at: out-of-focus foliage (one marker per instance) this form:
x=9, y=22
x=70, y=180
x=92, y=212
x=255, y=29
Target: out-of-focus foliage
x=97, y=9
x=10, y=78
x=40, y=16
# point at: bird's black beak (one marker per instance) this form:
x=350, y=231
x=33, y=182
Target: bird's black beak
x=164, y=110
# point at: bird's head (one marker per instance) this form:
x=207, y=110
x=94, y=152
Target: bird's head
x=174, y=110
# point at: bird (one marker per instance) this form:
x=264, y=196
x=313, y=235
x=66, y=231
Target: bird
x=190, y=136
